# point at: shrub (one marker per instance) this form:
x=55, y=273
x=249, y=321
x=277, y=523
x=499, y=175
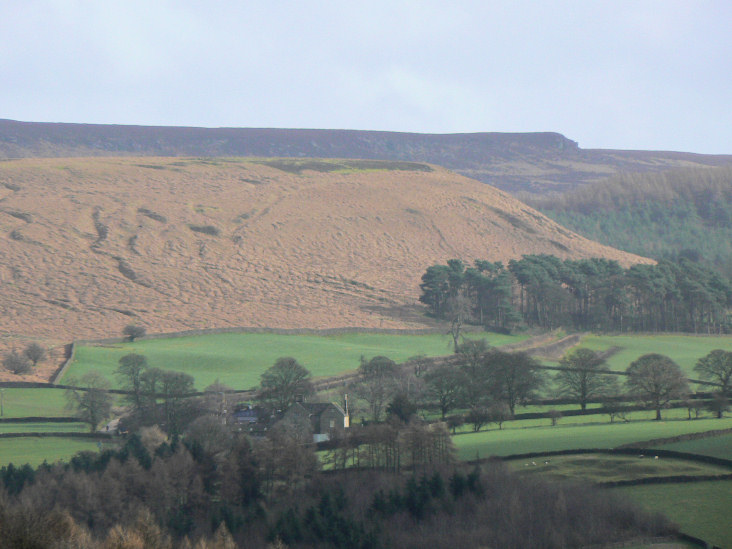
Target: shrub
x=134, y=332
x=35, y=353
x=16, y=363
x=554, y=416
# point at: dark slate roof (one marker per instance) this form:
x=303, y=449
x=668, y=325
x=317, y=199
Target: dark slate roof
x=317, y=408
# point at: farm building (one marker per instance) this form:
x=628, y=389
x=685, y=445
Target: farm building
x=325, y=418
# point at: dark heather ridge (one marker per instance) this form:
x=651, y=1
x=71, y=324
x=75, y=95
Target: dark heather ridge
x=534, y=163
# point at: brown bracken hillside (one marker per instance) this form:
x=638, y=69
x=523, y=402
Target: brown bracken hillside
x=88, y=246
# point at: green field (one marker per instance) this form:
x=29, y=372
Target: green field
x=34, y=450
x=720, y=446
x=34, y=402
x=672, y=414
x=701, y=509
x=239, y=359
x=47, y=427
x=518, y=440
x=685, y=350
x=611, y=468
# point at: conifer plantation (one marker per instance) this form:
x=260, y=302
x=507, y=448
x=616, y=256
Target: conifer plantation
x=587, y=294
x=682, y=213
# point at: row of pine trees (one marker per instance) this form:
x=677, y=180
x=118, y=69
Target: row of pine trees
x=587, y=294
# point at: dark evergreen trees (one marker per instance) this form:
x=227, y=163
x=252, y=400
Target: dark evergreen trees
x=589, y=294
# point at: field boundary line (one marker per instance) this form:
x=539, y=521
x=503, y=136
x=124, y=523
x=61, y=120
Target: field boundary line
x=58, y=374
x=40, y=419
x=614, y=451
x=678, y=438
x=51, y=434
x=263, y=330
x=674, y=479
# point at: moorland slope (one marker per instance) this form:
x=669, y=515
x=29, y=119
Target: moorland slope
x=534, y=163
x=90, y=245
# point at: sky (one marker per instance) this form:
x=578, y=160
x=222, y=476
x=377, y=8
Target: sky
x=653, y=75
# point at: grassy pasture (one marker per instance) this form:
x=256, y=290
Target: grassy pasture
x=45, y=427
x=34, y=402
x=685, y=350
x=609, y=468
x=514, y=439
x=34, y=450
x=699, y=508
x=719, y=446
x=673, y=414
x=239, y=359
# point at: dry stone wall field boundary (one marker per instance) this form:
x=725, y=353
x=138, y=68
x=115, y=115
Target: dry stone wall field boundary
x=260, y=330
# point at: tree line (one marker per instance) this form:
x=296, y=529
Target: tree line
x=485, y=385
x=587, y=294
x=490, y=383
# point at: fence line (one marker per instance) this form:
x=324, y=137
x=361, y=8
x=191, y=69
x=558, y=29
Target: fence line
x=261, y=330
x=70, y=434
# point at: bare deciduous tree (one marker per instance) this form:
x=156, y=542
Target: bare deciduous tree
x=583, y=379
x=656, y=380
x=458, y=311
x=90, y=399
x=284, y=382
x=130, y=370
x=17, y=363
x=35, y=353
x=514, y=377
x=445, y=385
x=476, y=387
x=499, y=413
x=717, y=367
x=376, y=383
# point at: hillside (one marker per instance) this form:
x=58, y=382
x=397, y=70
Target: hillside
x=516, y=162
x=680, y=213
x=90, y=245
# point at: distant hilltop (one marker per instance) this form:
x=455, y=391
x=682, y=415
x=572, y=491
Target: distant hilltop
x=534, y=163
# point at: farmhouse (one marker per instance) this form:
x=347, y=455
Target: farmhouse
x=326, y=418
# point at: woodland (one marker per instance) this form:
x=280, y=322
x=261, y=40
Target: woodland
x=587, y=294
x=210, y=490
x=682, y=213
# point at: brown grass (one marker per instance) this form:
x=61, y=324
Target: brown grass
x=104, y=237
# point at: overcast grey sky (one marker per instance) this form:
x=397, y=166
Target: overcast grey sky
x=617, y=74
